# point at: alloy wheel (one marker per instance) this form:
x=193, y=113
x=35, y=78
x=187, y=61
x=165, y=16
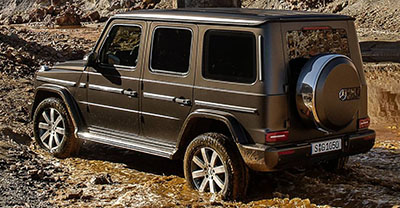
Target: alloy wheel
x=208, y=171
x=51, y=129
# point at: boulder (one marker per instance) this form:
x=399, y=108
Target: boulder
x=91, y=16
x=68, y=17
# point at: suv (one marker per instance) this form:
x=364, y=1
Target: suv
x=225, y=90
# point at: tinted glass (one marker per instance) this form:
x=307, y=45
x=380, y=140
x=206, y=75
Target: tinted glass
x=171, y=50
x=122, y=46
x=229, y=56
x=308, y=43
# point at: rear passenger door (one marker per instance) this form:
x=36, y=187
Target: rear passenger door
x=168, y=80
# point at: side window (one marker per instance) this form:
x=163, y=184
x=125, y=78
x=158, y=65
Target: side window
x=121, y=46
x=171, y=50
x=229, y=56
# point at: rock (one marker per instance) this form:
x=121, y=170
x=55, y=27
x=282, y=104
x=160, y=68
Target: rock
x=37, y=15
x=68, y=18
x=74, y=195
x=103, y=19
x=92, y=16
x=17, y=19
x=58, y=2
x=50, y=10
x=102, y=179
x=115, y=4
x=43, y=2
x=12, y=167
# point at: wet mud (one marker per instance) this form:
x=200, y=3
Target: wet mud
x=111, y=177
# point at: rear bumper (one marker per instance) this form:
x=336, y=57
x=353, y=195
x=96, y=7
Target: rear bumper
x=261, y=157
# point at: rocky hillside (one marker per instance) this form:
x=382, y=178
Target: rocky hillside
x=382, y=15
x=62, y=12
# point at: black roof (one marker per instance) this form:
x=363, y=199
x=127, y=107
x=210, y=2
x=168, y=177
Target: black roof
x=231, y=16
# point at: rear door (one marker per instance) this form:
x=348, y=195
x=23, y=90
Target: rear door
x=113, y=85
x=168, y=79
x=303, y=41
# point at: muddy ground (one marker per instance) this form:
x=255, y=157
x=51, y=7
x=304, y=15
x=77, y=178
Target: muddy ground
x=112, y=177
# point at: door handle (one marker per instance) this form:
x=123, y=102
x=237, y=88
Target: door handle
x=130, y=93
x=182, y=101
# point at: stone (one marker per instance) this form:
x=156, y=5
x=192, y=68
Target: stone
x=58, y=2
x=92, y=16
x=102, y=179
x=74, y=195
x=68, y=18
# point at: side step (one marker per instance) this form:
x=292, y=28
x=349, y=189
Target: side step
x=132, y=142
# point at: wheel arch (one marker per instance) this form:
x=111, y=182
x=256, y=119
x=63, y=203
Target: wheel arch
x=203, y=121
x=49, y=90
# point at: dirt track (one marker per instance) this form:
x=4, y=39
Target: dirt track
x=106, y=176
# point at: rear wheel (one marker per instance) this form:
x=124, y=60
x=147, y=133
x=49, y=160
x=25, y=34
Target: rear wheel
x=53, y=129
x=213, y=164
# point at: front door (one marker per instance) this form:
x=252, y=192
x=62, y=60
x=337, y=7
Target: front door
x=113, y=85
x=168, y=80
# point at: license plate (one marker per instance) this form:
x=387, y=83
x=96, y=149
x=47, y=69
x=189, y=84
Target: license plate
x=326, y=146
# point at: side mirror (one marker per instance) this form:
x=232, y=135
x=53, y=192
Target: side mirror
x=90, y=59
x=113, y=60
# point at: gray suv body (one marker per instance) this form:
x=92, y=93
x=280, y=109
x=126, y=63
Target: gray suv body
x=226, y=90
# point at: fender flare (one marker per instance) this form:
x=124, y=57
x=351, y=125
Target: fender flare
x=237, y=131
x=67, y=98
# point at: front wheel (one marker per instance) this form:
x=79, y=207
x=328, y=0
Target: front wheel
x=53, y=129
x=213, y=164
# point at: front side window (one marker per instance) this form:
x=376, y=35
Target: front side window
x=171, y=50
x=229, y=56
x=121, y=46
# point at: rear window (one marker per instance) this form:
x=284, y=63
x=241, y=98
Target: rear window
x=308, y=43
x=229, y=56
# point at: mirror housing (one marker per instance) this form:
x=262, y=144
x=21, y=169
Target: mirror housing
x=90, y=59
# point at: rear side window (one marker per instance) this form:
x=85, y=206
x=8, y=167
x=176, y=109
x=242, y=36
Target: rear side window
x=171, y=50
x=121, y=46
x=229, y=56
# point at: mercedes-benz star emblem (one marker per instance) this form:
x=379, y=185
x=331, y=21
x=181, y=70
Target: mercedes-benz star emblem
x=342, y=95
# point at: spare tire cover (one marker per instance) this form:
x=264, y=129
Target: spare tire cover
x=328, y=91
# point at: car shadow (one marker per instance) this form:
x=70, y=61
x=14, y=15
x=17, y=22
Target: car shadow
x=132, y=159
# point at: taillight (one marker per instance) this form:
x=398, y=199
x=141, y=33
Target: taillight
x=363, y=123
x=288, y=152
x=279, y=136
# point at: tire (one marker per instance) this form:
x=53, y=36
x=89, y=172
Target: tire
x=53, y=129
x=223, y=172
x=335, y=164
x=328, y=84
